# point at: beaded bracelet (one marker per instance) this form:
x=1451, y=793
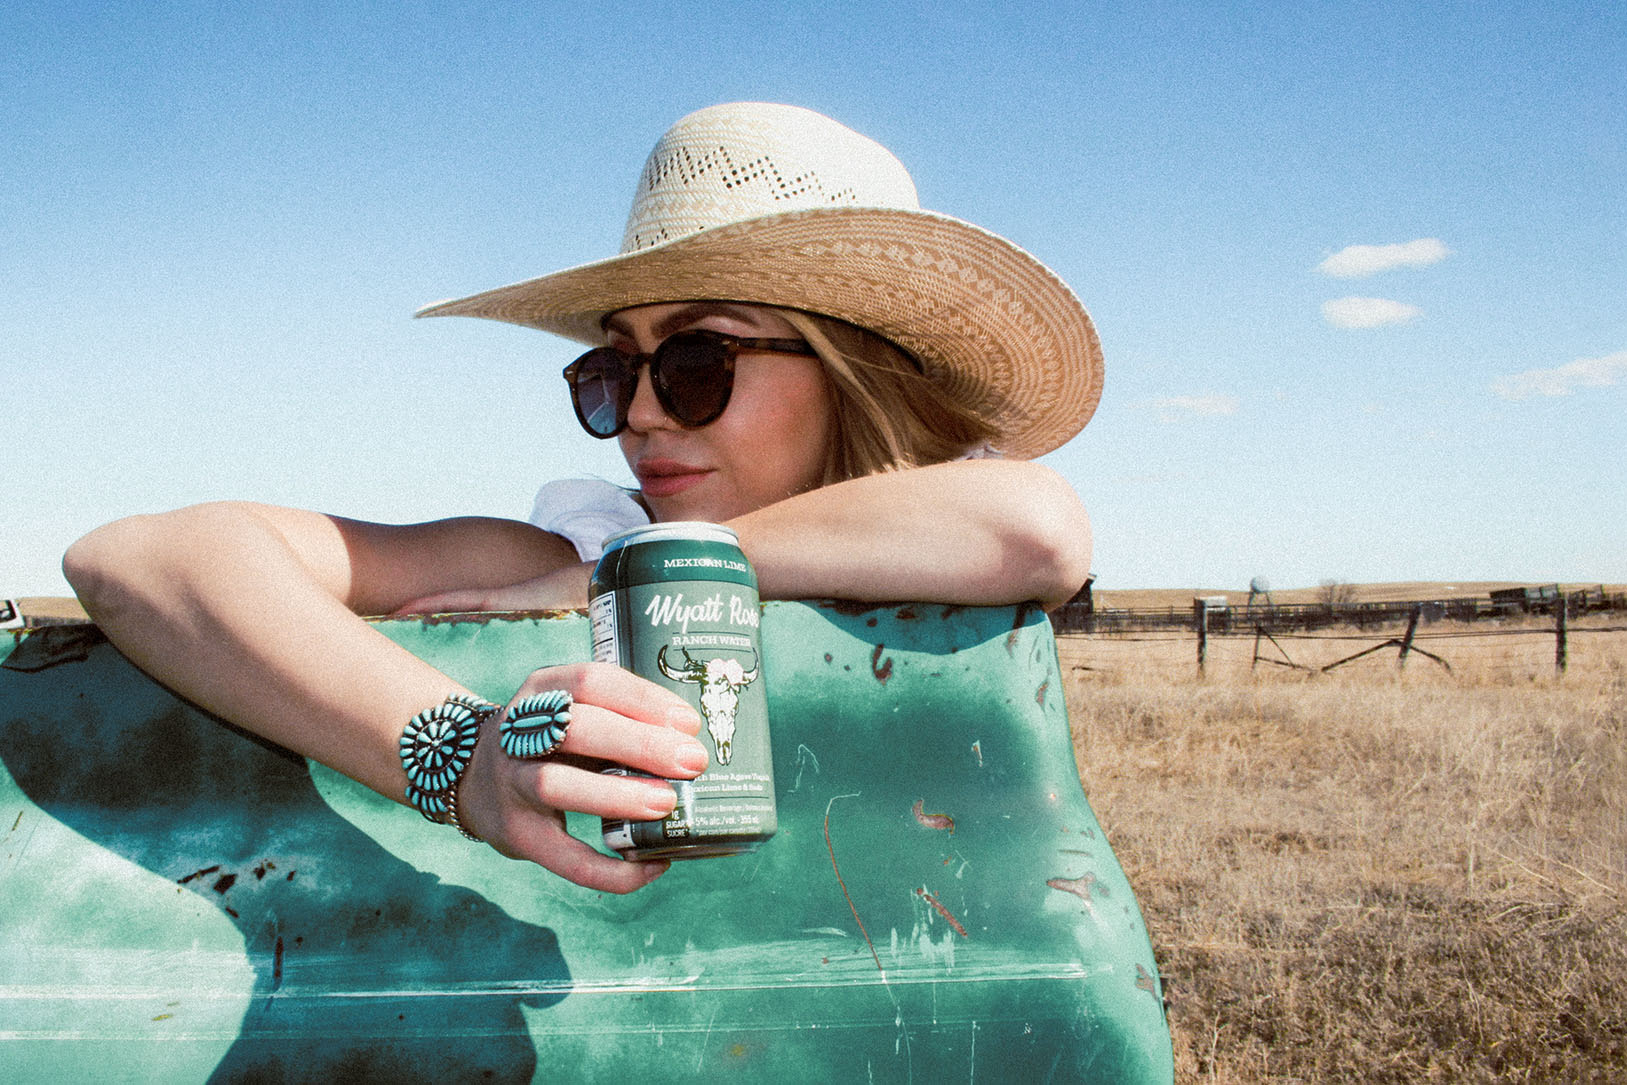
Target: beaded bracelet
x=435, y=750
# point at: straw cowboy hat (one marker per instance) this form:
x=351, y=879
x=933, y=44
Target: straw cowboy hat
x=778, y=205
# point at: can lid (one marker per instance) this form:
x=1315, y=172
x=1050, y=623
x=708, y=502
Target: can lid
x=675, y=531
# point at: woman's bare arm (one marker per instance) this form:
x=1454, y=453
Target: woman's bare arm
x=251, y=612
x=978, y=532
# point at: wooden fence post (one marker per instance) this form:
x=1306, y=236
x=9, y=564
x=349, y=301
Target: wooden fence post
x=1559, y=634
x=1200, y=618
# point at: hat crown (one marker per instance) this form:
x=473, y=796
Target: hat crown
x=743, y=160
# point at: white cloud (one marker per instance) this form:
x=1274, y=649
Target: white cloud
x=1174, y=408
x=1367, y=312
x=1359, y=261
x=1565, y=379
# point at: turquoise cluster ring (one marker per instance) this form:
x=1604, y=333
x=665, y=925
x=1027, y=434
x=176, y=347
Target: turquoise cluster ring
x=535, y=726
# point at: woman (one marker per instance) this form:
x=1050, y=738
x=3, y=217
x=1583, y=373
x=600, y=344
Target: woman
x=787, y=344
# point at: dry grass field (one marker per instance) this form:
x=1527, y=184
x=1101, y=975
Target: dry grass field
x=1375, y=874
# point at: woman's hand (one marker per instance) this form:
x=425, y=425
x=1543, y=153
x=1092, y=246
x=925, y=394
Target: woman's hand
x=565, y=588
x=518, y=806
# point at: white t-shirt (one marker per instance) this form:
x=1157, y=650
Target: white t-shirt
x=587, y=511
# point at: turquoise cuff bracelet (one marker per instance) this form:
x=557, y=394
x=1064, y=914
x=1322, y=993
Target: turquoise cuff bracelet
x=435, y=750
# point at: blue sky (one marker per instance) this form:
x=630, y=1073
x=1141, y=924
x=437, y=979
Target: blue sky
x=218, y=224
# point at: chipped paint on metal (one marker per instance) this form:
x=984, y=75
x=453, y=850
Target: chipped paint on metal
x=882, y=671
x=932, y=821
x=938, y=907
x=1079, y=887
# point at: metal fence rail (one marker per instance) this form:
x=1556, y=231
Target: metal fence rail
x=1289, y=617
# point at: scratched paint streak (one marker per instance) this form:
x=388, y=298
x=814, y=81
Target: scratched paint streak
x=845, y=894
x=1079, y=887
x=941, y=910
x=932, y=821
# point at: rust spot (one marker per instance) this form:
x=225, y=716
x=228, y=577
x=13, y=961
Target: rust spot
x=882, y=671
x=850, y=607
x=907, y=614
x=224, y=882
x=486, y=617
x=196, y=874
x=1039, y=694
x=941, y=910
x=276, y=965
x=932, y=821
x=871, y=621
x=1079, y=887
x=261, y=870
x=950, y=611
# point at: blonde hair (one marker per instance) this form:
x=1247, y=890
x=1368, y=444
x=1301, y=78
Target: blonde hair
x=887, y=413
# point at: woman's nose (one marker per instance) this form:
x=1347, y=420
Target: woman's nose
x=645, y=412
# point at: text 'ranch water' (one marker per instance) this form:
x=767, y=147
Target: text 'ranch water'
x=677, y=604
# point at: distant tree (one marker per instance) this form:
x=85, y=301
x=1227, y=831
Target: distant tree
x=1337, y=593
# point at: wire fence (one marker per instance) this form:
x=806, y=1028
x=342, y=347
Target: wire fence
x=1500, y=644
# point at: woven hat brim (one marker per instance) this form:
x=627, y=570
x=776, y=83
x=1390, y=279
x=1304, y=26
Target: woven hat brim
x=989, y=322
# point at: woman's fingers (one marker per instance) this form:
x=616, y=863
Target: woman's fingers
x=624, y=719
x=616, y=718
x=560, y=785
x=546, y=843
x=608, y=736
x=607, y=686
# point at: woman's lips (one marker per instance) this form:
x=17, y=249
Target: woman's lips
x=664, y=478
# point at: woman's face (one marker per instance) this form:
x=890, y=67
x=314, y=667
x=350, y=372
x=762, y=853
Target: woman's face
x=770, y=442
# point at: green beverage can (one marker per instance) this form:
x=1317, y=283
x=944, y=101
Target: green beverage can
x=677, y=603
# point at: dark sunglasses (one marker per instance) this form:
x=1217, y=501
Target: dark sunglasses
x=692, y=373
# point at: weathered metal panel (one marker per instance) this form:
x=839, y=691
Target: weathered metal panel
x=180, y=901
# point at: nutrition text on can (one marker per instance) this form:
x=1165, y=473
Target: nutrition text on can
x=677, y=603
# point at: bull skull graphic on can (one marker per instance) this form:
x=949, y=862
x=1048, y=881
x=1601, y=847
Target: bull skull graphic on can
x=721, y=681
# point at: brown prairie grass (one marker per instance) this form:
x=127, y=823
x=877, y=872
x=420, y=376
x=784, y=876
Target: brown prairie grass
x=1374, y=874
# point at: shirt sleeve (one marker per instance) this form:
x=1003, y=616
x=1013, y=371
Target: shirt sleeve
x=586, y=511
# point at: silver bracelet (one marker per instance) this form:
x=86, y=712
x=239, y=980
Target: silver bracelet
x=453, y=820
x=436, y=746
